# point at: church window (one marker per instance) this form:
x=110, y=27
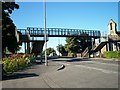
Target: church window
x=110, y=26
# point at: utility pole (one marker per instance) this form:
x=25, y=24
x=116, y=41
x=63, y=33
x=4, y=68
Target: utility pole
x=46, y=62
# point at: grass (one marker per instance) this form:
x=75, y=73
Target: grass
x=112, y=54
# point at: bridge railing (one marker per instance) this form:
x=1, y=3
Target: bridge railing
x=59, y=32
x=62, y=31
x=23, y=31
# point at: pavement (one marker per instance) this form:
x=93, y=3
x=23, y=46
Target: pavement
x=33, y=77
x=78, y=73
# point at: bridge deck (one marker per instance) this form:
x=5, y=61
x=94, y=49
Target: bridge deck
x=59, y=32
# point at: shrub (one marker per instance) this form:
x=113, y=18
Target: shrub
x=112, y=54
x=13, y=64
x=22, y=63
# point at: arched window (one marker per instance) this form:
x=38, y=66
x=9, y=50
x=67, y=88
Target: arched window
x=110, y=26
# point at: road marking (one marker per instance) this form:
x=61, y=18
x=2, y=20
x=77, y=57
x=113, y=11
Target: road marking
x=99, y=69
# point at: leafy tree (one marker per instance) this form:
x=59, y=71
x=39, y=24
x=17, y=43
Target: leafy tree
x=72, y=44
x=61, y=49
x=8, y=28
x=49, y=51
x=77, y=44
x=85, y=41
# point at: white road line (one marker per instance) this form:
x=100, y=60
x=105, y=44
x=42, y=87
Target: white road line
x=99, y=69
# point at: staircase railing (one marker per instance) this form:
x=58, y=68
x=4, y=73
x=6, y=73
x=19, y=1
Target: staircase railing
x=94, y=46
x=85, y=52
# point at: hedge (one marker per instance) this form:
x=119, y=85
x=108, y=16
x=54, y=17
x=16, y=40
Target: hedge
x=112, y=54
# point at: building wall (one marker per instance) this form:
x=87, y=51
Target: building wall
x=112, y=27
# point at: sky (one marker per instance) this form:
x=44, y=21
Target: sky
x=74, y=15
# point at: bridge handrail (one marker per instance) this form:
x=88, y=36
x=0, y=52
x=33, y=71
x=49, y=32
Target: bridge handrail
x=60, y=31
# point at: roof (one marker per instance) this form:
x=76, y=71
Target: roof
x=112, y=21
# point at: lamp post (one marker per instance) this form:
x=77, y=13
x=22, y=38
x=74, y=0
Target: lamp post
x=59, y=45
x=46, y=62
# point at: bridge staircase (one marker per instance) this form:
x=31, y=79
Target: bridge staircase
x=110, y=38
x=99, y=46
x=94, y=49
x=85, y=53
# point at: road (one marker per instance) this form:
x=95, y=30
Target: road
x=87, y=74
x=78, y=73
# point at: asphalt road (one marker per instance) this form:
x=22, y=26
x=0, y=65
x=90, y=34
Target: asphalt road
x=78, y=73
x=86, y=74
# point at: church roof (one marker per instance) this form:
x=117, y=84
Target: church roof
x=112, y=21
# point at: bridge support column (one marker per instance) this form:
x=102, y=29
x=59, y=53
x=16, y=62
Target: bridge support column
x=25, y=47
x=110, y=46
x=114, y=46
x=117, y=47
x=93, y=47
x=93, y=41
x=37, y=48
x=94, y=55
x=107, y=47
x=100, y=54
x=118, y=44
x=28, y=47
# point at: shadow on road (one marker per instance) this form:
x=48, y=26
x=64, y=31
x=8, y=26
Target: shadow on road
x=19, y=75
x=73, y=60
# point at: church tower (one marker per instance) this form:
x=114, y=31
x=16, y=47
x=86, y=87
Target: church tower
x=112, y=27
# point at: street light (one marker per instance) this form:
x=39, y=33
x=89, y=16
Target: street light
x=46, y=62
x=59, y=45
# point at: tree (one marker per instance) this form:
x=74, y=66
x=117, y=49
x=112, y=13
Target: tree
x=72, y=44
x=77, y=44
x=61, y=49
x=9, y=39
x=49, y=51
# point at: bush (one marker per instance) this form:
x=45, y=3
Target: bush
x=13, y=64
x=16, y=62
x=112, y=54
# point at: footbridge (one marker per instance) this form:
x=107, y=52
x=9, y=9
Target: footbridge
x=35, y=36
x=30, y=33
